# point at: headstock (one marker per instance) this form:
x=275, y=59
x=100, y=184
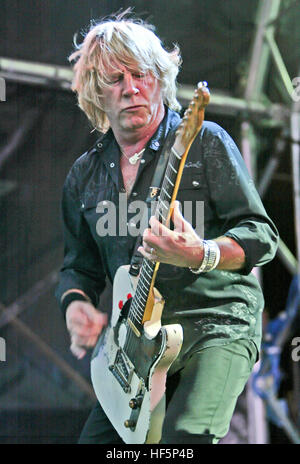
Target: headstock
x=192, y=120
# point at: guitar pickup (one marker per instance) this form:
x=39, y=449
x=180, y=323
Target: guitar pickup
x=122, y=371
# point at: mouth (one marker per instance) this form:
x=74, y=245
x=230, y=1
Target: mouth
x=133, y=108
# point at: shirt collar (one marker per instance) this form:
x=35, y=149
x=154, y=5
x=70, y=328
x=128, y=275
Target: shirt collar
x=170, y=120
x=108, y=145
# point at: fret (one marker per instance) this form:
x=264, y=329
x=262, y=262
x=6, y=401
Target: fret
x=170, y=182
x=175, y=153
x=173, y=169
x=165, y=206
x=149, y=275
x=149, y=264
x=137, y=314
x=145, y=287
x=164, y=190
x=144, y=292
x=144, y=284
x=162, y=216
x=134, y=311
x=136, y=321
x=145, y=275
x=141, y=297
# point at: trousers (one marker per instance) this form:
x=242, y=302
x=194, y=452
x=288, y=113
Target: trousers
x=200, y=398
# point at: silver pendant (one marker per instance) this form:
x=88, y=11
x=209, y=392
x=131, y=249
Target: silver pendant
x=133, y=159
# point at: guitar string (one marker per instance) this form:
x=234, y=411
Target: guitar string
x=134, y=308
x=137, y=310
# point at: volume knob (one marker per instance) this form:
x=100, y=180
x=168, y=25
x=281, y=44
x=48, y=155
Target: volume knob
x=129, y=423
x=136, y=402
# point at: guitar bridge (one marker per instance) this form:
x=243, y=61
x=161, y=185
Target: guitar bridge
x=122, y=371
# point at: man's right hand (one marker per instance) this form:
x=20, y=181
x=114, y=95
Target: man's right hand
x=85, y=324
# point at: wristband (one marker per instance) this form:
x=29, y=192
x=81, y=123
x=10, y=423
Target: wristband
x=211, y=257
x=72, y=296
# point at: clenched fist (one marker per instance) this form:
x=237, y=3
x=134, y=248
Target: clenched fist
x=85, y=323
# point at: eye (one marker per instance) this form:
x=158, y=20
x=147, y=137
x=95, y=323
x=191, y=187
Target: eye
x=138, y=75
x=115, y=79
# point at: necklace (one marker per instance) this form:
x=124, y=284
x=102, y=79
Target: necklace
x=134, y=158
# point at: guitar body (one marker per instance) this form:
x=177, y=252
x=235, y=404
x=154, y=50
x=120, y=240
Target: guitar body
x=131, y=389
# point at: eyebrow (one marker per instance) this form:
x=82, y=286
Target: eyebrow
x=114, y=75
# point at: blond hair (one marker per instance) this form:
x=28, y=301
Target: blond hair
x=128, y=42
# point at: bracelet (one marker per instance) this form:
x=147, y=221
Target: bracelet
x=202, y=266
x=211, y=257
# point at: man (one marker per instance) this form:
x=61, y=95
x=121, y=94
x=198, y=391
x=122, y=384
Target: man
x=126, y=81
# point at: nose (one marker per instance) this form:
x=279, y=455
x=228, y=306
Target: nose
x=129, y=85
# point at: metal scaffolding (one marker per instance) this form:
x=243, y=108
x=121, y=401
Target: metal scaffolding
x=264, y=49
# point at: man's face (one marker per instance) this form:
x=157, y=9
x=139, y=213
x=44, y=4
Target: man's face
x=132, y=100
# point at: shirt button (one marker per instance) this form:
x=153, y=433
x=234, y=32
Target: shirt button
x=195, y=183
x=112, y=165
x=82, y=205
x=134, y=194
x=142, y=161
x=99, y=145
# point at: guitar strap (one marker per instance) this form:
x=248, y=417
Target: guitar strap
x=152, y=196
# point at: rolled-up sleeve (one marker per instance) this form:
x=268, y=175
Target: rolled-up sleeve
x=236, y=201
x=82, y=267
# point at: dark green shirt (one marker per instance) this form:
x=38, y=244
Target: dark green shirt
x=214, y=308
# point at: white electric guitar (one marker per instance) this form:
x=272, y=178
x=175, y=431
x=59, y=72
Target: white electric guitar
x=134, y=352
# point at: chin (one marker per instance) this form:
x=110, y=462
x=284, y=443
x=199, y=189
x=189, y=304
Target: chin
x=138, y=119
x=135, y=123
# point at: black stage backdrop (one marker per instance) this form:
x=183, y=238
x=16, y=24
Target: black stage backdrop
x=42, y=133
